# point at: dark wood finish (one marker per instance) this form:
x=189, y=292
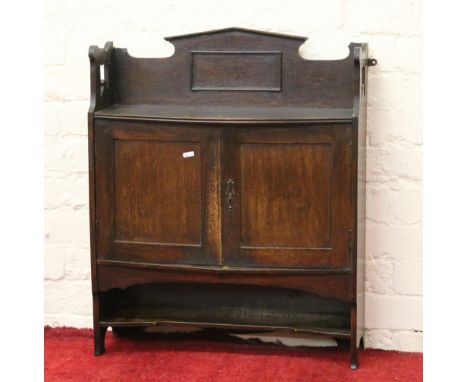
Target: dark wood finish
x=227, y=187
x=289, y=184
x=225, y=304
x=226, y=114
x=168, y=80
x=125, y=275
x=154, y=204
x=361, y=63
x=99, y=338
x=124, y=331
x=262, y=72
x=353, y=339
x=292, y=208
x=148, y=196
x=100, y=97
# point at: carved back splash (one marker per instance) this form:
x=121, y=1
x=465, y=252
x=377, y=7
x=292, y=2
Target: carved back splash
x=234, y=67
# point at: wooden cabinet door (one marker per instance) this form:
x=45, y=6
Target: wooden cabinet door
x=287, y=199
x=157, y=193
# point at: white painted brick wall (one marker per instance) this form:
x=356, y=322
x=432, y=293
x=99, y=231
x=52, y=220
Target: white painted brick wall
x=393, y=30
x=408, y=278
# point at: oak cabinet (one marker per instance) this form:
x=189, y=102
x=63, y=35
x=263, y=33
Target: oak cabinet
x=227, y=187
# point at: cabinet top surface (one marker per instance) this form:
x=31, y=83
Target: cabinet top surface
x=224, y=114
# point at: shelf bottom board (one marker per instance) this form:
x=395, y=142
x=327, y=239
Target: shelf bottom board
x=125, y=322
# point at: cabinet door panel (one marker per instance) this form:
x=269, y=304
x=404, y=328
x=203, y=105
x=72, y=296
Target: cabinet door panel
x=288, y=184
x=153, y=185
x=291, y=202
x=157, y=193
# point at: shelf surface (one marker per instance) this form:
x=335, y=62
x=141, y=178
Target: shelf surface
x=224, y=306
x=138, y=322
x=224, y=114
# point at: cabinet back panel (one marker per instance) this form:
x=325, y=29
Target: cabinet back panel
x=283, y=187
x=157, y=192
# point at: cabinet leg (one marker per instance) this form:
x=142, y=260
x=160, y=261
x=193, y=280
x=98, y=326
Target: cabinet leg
x=99, y=339
x=353, y=340
x=361, y=343
x=354, y=356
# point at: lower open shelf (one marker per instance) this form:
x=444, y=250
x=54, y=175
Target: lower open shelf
x=332, y=332
x=230, y=307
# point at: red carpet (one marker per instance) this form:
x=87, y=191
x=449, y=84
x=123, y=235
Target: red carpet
x=69, y=357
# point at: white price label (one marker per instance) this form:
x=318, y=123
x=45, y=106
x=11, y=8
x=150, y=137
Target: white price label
x=188, y=154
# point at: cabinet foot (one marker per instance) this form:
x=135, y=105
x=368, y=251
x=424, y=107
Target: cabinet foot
x=353, y=343
x=361, y=343
x=99, y=340
x=354, y=357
